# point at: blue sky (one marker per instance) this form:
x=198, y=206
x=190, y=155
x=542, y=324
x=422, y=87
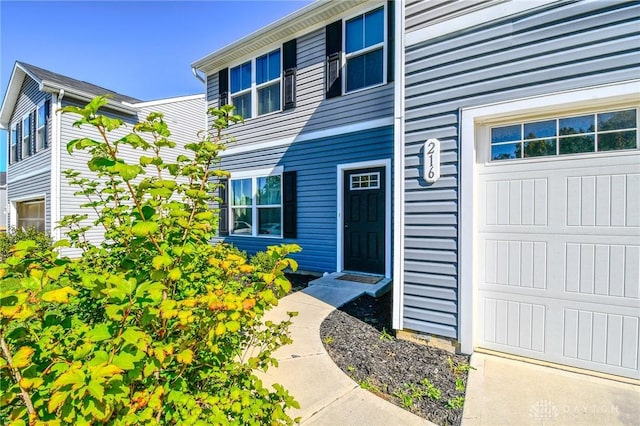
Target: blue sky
x=142, y=49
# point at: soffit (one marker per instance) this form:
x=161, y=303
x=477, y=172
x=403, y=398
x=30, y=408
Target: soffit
x=303, y=21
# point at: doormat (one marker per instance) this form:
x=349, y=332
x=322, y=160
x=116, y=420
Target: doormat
x=363, y=279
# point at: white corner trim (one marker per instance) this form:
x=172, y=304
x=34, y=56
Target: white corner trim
x=334, y=131
x=398, y=171
x=56, y=177
x=458, y=23
x=340, y=169
x=590, y=97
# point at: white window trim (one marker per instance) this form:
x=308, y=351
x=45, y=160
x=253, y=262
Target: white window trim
x=345, y=56
x=556, y=118
x=253, y=89
x=341, y=168
x=13, y=209
x=254, y=175
x=24, y=154
x=14, y=142
x=473, y=122
x=39, y=128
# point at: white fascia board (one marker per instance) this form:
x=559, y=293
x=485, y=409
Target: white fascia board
x=398, y=168
x=303, y=21
x=165, y=101
x=595, y=96
x=11, y=95
x=335, y=131
x=76, y=94
x=277, y=170
x=472, y=19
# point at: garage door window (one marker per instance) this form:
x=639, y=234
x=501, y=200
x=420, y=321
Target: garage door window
x=586, y=133
x=31, y=215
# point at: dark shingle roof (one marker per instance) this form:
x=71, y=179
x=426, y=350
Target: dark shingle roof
x=82, y=86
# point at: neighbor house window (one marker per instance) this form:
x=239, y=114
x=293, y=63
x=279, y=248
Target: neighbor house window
x=13, y=154
x=255, y=85
x=575, y=134
x=256, y=206
x=30, y=214
x=26, y=129
x=41, y=133
x=364, y=50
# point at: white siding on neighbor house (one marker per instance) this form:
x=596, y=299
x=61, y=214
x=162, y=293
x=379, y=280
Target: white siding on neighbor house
x=30, y=176
x=184, y=119
x=312, y=112
x=562, y=46
x=31, y=188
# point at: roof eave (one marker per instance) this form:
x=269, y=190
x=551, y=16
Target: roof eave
x=289, y=26
x=11, y=95
x=84, y=96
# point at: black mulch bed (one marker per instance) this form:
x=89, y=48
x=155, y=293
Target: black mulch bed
x=299, y=281
x=358, y=337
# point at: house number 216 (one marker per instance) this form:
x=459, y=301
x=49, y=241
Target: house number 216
x=432, y=160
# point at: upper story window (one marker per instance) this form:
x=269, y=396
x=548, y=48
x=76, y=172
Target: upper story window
x=594, y=132
x=13, y=154
x=41, y=125
x=357, y=52
x=26, y=129
x=364, y=50
x=268, y=82
x=255, y=85
x=240, y=77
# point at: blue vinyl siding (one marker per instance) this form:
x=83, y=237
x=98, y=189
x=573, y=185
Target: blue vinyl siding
x=563, y=46
x=315, y=162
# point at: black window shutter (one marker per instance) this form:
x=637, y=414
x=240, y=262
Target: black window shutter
x=333, y=49
x=223, y=86
x=32, y=133
x=289, y=66
x=390, y=40
x=19, y=141
x=223, y=221
x=47, y=113
x=289, y=189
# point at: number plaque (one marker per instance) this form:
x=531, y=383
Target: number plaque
x=432, y=160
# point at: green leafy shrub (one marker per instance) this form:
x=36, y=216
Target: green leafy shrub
x=15, y=235
x=155, y=325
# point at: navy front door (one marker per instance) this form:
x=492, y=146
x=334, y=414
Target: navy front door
x=364, y=220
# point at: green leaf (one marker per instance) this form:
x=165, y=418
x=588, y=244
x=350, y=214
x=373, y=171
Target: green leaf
x=98, y=163
x=161, y=261
x=96, y=390
x=141, y=229
x=72, y=376
x=126, y=171
x=124, y=360
x=99, y=333
x=81, y=144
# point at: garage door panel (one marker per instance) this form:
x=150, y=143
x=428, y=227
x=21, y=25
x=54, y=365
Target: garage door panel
x=559, y=260
x=513, y=324
x=607, y=339
x=603, y=269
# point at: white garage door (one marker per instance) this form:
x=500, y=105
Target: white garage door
x=558, y=241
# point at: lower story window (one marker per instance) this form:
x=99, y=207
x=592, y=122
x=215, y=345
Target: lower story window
x=30, y=214
x=256, y=206
x=595, y=132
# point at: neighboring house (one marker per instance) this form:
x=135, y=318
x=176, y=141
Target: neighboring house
x=529, y=242
x=312, y=162
x=516, y=228
x=3, y=201
x=38, y=193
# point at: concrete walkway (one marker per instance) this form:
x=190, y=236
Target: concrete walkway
x=326, y=395
x=500, y=391
x=503, y=391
